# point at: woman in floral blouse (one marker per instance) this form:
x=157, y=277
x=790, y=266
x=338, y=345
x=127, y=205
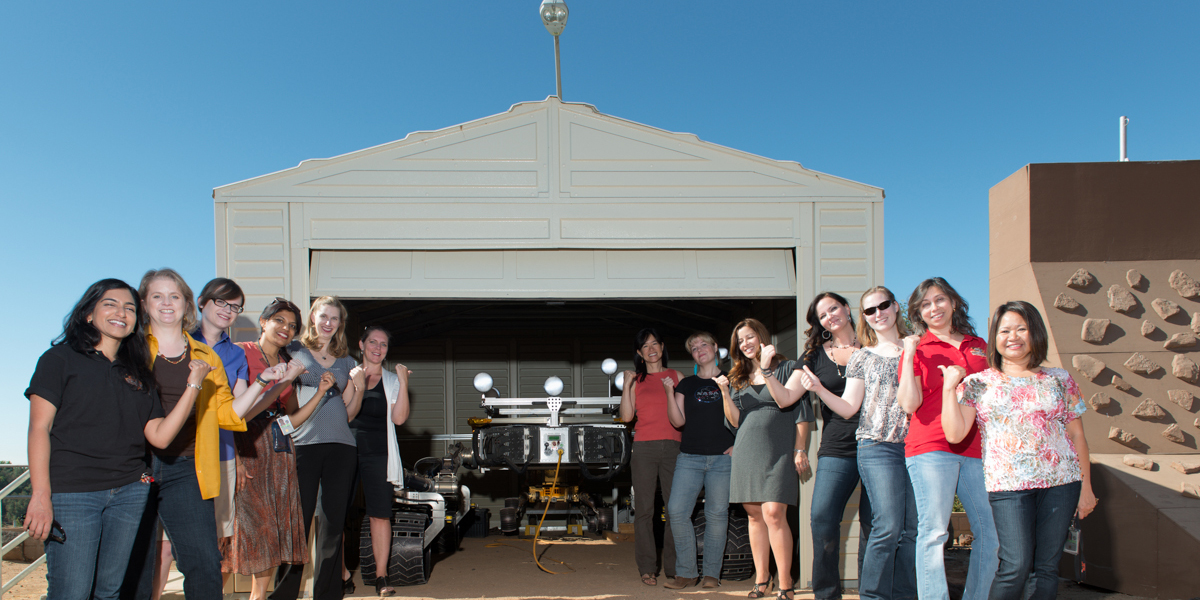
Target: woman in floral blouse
x=1035, y=457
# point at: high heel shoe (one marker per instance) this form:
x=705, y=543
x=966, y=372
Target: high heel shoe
x=382, y=589
x=765, y=586
x=348, y=585
x=788, y=594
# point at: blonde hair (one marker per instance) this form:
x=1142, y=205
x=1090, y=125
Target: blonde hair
x=338, y=346
x=190, y=320
x=699, y=335
x=866, y=335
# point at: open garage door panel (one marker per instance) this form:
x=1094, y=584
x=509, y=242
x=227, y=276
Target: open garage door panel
x=563, y=273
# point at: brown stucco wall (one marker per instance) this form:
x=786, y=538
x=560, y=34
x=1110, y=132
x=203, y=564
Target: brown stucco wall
x=1114, y=211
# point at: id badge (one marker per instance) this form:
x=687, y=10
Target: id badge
x=1072, y=545
x=285, y=425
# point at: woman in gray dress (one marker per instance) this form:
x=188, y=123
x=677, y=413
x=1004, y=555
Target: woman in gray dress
x=771, y=424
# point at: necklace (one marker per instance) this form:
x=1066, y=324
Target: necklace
x=264, y=355
x=178, y=360
x=853, y=344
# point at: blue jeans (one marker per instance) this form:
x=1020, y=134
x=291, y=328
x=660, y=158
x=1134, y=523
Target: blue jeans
x=191, y=525
x=693, y=472
x=835, y=481
x=100, y=528
x=1032, y=526
x=889, y=564
x=935, y=478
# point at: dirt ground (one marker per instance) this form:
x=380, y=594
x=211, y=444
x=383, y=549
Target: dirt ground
x=503, y=567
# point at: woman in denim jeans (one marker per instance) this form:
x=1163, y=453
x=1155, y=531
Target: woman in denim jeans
x=888, y=569
x=93, y=405
x=187, y=473
x=938, y=467
x=695, y=406
x=1035, y=456
x=831, y=342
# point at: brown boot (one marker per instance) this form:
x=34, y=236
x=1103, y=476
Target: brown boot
x=711, y=582
x=679, y=583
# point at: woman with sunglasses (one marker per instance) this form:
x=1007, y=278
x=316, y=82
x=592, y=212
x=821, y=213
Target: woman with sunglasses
x=831, y=341
x=939, y=468
x=1035, y=455
x=186, y=473
x=762, y=400
x=325, y=447
x=93, y=405
x=888, y=569
x=269, y=529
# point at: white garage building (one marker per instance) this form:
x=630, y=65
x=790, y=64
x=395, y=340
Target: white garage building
x=537, y=242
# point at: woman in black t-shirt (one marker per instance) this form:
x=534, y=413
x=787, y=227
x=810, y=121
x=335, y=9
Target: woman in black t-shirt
x=384, y=404
x=93, y=405
x=831, y=341
x=695, y=406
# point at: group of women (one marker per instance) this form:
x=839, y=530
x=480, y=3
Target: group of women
x=916, y=418
x=153, y=368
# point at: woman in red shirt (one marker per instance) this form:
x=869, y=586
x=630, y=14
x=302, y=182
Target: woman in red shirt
x=655, y=447
x=936, y=467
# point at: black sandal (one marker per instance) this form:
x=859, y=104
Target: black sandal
x=766, y=586
x=348, y=585
x=382, y=589
x=784, y=594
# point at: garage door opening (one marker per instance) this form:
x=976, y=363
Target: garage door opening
x=521, y=343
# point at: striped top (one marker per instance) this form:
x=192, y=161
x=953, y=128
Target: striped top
x=330, y=424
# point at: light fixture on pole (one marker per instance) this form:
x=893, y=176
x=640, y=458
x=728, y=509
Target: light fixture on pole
x=554, y=17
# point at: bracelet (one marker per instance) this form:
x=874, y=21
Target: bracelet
x=766, y=372
x=195, y=385
x=801, y=451
x=260, y=381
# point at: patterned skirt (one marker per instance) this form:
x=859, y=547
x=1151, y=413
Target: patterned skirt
x=268, y=530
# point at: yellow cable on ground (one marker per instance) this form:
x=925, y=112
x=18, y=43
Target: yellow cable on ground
x=544, y=513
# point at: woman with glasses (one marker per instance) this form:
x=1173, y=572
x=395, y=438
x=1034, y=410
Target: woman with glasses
x=269, y=529
x=655, y=446
x=325, y=447
x=704, y=462
x=938, y=467
x=93, y=405
x=888, y=571
x=772, y=426
x=187, y=474
x=220, y=303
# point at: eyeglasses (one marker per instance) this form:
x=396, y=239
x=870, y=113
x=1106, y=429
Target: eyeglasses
x=886, y=304
x=236, y=308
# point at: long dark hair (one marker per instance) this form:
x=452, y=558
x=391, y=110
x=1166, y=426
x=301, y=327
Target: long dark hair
x=1039, y=339
x=133, y=353
x=960, y=320
x=639, y=365
x=816, y=331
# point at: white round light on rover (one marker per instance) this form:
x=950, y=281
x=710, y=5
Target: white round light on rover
x=620, y=381
x=553, y=386
x=483, y=382
x=723, y=352
x=609, y=366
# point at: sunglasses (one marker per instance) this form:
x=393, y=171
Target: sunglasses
x=886, y=304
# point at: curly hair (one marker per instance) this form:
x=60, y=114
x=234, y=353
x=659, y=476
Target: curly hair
x=743, y=366
x=816, y=331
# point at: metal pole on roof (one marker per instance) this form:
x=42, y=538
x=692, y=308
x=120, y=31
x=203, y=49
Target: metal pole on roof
x=1124, y=134
x=554, y=16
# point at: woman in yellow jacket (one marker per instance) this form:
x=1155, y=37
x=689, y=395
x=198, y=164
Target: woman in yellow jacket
x=187, y=472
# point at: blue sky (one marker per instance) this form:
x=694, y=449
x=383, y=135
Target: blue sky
x=118, y=119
